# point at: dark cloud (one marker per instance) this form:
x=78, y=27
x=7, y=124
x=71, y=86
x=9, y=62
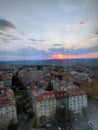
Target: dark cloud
x=41, y=40
x=58, y=50
x=83, y=50
x=2, y=34
x=12, y=37
x=8, y=37
x=96, y=32
x=72, y=51
x=5, y=25
x=57, y=45
x=5, y=40
x=81, y=22
x=22, y=33
x=32, y=39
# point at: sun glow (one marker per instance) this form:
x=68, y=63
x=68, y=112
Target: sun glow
x=62, y=56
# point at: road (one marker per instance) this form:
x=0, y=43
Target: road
x=92, y=111
x=26, y=124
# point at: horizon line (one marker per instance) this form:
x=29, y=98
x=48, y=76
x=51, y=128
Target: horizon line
x=45, y=59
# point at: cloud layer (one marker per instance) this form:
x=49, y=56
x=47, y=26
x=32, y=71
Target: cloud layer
x=6, y=25
x=48, y=29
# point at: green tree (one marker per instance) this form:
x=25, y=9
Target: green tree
x=49, y=86
x=84, y=112
x=42, y=120
x=12, y=125
x=34, y=123
x=61, y=115
x=64, y=115
x=71, y=116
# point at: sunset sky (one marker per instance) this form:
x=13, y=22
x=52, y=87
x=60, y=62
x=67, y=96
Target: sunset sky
x=48, y=29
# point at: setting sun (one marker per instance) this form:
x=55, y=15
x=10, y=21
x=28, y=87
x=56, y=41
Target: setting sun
x=62, y=56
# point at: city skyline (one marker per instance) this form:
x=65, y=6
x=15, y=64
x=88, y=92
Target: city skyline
x=48, y=29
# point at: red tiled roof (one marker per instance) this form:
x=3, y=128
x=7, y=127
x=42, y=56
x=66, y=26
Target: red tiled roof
x=6, y=78
x=75, y=92
x=52, y=95
x=31, y=74
x=61, y=94
x=6, y=97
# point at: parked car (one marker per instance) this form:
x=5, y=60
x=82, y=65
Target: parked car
x=48, y=125
x=59, y=128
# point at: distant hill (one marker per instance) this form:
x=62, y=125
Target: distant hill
x=66, y=62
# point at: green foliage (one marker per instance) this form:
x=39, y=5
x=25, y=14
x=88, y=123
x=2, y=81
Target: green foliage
x=49, y=86
x=64, y=115
x=42, y=120
x=71, y=115
x=12, y=126
x=35, y=124
x=61, y=115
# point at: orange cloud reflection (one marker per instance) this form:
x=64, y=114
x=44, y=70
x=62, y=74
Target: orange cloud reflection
x=62, y=56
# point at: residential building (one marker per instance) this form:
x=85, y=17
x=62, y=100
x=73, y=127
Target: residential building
x=7, y=108
x=48, y=102
x=45, y=103
x=77, y=99
x=6, y=81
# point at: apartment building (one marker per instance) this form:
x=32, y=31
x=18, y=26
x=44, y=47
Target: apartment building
x=7, y=108
x=6, y=81
x=77, y=99
x=45, y=103
x=48, y=102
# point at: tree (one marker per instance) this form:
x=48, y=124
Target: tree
x=12, y=125
x=34, y=123
x=38, y=67
x=42, y=120
x=49, y=86
x=64, y=116
x=60, y=77
x=71, y=116
x=61, y=115
x=84, y=112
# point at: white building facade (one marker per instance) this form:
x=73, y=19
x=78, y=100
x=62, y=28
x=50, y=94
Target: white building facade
x=46, y=103
x=77, y=99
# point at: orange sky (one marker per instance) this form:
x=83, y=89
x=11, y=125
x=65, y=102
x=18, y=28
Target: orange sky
x=62, y=56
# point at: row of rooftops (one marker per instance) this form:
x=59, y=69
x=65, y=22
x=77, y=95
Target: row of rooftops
x=60, y=94
x=4, y=76
x=36, y=75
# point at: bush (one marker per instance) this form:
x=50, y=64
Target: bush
x=35, y=124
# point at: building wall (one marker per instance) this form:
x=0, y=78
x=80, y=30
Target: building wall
x=76, y=103
x=7, y=115
x=49, y=107
x=46, y=108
